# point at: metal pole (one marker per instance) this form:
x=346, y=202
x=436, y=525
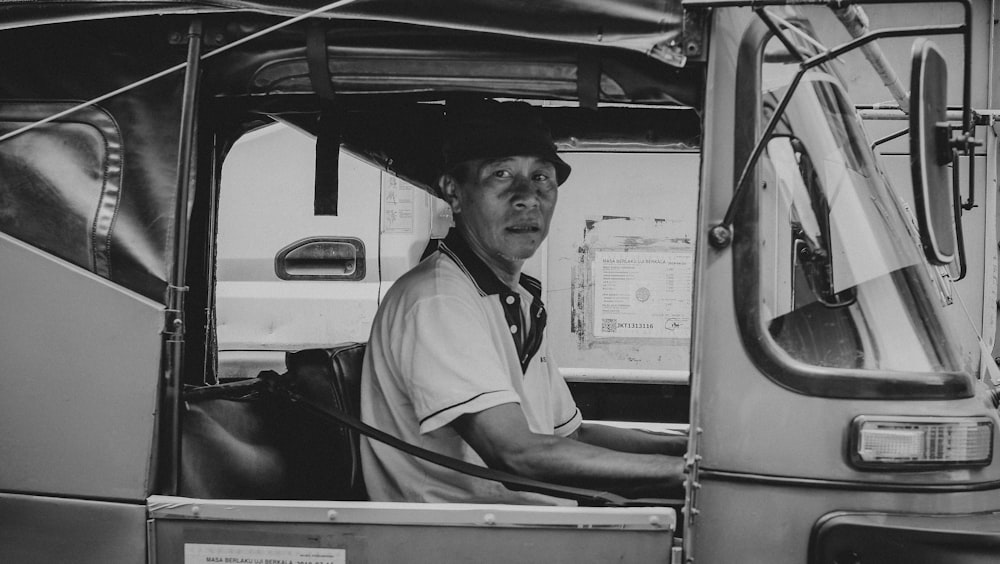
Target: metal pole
x=968, y=120
x=176, y=289
x=856, y=22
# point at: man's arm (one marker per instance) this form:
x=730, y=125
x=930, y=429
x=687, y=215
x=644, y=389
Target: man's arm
x=631, y=440
x=501, y=437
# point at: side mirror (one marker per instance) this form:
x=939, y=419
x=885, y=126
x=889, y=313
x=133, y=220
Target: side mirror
x=931, y=155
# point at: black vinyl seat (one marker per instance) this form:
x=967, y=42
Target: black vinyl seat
x=332, y=377
x=241, y=442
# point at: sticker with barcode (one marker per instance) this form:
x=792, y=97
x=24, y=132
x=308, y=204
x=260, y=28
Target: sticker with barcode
x=250, y=554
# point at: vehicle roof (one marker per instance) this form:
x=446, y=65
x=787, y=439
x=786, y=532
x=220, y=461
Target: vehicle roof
x=652, y=27
x=394, y=66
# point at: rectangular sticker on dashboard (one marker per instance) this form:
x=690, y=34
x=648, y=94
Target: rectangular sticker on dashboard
x=250, y=554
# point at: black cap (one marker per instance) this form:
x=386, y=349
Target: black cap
x=496, y=130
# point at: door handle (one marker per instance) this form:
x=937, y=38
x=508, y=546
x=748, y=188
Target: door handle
x=322, y=258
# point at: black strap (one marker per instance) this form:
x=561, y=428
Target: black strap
x=592, y=498
x=327, y=182
x=329, y=129
x=588, y=77
x=316, y=57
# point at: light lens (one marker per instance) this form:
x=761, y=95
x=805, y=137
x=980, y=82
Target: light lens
x=881, y=442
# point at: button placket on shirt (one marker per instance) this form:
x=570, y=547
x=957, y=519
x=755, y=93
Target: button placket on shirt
x=515, y=318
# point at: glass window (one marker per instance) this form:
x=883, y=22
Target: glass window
x=842, y=281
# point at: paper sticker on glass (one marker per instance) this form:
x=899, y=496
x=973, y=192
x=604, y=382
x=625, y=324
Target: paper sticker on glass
x=637, y=294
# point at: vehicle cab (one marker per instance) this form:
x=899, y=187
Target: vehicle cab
x=201, y=205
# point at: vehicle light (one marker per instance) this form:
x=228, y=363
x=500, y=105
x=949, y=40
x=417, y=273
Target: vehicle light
x=921, y=442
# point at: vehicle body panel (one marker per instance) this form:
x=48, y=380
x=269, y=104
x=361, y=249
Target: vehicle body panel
x=793, y=510
x=788, y=482
x=81, y=365
x=731, y=384
x=265, y=205
x=918, y=538
x=385, y=532
x=89, y=532
x=652, y=214
x=87, y=417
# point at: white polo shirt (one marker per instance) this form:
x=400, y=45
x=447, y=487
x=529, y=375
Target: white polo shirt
x=450, y=339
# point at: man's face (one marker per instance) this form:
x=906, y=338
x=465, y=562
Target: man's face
x=504, y=206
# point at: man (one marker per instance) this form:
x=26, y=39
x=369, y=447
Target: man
x=457, y=361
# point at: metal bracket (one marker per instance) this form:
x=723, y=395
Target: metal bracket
x=693, y=32
x=952, y=142
x=211, y=37
x=173, y=324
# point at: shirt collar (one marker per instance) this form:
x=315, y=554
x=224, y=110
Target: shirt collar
x=455, y=246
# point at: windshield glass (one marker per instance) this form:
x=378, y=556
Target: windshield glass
x=842, y=280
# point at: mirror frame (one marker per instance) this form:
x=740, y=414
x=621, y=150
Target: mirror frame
x=931, y=154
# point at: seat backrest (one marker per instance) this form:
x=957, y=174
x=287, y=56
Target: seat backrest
x=240, y=442
x=230, y=447
x=332, y=377
x=329, y=376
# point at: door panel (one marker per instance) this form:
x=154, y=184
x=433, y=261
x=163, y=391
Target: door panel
x=288, y=279
x=322, y=258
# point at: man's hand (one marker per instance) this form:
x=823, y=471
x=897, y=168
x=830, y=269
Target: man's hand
x=501, y=437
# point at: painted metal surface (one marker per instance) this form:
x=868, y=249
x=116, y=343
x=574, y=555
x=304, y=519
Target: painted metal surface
x=617, y=270
x=659, y=519
x=80, y=365
x=266, y=203
x=734, y=395
x=792, y=513
x=970, y=538
x=37, y=529
x=387, y=532
x=422, y=544
x=755, y=440
x=713, y=329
